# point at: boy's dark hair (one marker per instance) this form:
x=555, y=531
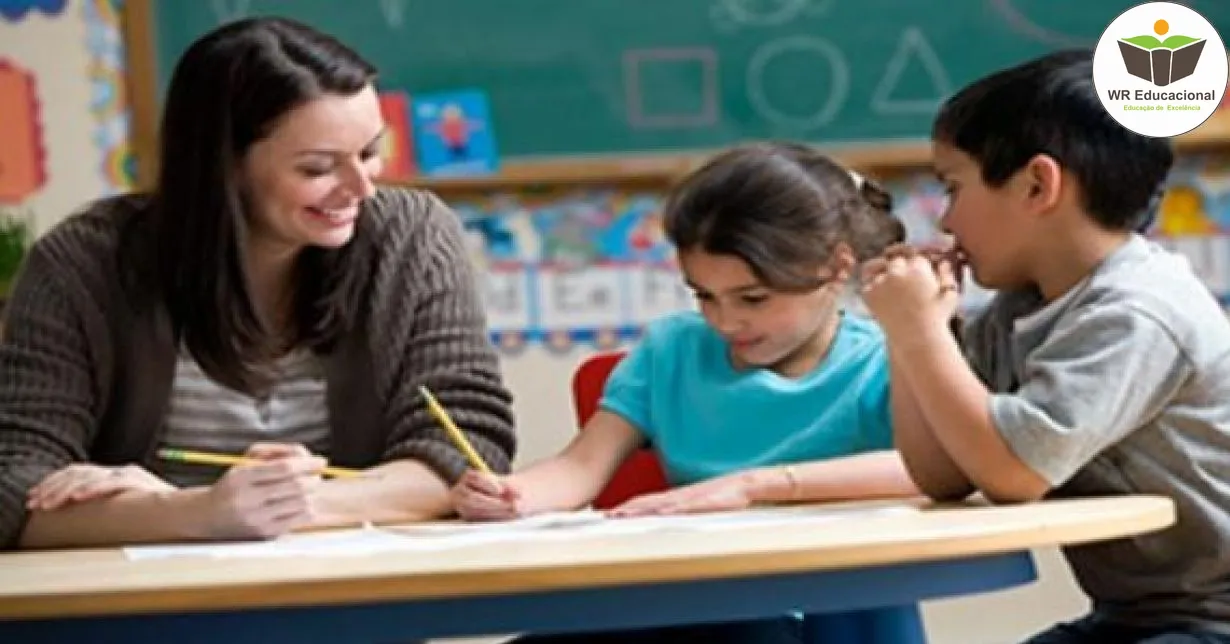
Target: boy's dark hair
x=1050, y=106
x=782, y=208
x=227, y=92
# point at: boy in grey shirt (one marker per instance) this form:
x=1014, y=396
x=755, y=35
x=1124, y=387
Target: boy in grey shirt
x=1100, y=368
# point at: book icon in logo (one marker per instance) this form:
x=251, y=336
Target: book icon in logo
x=1158, y=61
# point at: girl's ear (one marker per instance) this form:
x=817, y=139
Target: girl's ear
x=842, y=262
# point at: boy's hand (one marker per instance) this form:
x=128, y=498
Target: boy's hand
x=486, y=497
x=906, y=289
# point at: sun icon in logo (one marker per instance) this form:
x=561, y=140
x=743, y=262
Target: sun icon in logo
x=1161, y=27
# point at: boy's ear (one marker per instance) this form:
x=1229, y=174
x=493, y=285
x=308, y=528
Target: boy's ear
x=1043, y=182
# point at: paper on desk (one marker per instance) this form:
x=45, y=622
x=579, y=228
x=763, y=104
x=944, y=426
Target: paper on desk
x=544, y=527
x=371, y=540
x=353, y=541
x=537, y=522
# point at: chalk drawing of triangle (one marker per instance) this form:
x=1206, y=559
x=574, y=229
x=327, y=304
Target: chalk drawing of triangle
x=394, y=11
x=913, y=47
x=230, y=10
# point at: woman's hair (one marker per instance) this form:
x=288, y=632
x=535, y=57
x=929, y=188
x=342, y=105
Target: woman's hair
x=228, y=91
x=782, y=208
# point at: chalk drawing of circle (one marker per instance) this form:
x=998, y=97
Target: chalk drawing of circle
x=771, y=12
x=829, y=56
x=1026, y=26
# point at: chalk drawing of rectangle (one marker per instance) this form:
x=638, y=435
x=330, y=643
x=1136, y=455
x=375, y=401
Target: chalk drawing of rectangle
x=695, y=60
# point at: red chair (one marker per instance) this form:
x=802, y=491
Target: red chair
x=641, y=473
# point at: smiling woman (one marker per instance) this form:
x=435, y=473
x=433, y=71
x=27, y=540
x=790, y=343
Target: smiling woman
x=265, y=299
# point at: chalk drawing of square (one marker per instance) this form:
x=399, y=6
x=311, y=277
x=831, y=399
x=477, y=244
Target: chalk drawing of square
x=667, y=88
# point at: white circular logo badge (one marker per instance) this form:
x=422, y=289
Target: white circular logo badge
x=1160, y=69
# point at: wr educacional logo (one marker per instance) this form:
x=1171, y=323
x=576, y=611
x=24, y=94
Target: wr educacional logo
x=1150, y=71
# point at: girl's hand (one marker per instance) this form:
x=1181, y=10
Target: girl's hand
x=721, y=494
x=486, y=497
x=83, y=482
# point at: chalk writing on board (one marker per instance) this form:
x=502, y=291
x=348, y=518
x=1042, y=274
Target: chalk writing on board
x=788, y=65
x=698, y=65
x=230, y=10
x=913, y=46
x=1028, y=27
x=728, y=15
x=394, y=11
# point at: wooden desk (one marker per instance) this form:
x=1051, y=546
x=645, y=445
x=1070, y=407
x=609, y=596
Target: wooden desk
x=881, y=562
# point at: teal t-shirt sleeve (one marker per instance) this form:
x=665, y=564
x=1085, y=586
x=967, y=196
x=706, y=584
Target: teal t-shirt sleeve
x=877, y=416
x=627, y=389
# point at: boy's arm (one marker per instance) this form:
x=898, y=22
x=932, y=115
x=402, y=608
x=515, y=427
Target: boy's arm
x=931, y=468
x=1096, y=378
x=954, y=405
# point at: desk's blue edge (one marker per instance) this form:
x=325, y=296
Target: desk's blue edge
x=558, y=611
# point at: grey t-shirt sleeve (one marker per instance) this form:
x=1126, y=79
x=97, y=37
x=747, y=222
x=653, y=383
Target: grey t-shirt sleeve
x=978, y=345
x=1091, y=382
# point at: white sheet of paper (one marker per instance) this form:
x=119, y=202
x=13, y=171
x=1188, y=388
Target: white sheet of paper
x=334, y=543
x=544, y=527
x=546, y=520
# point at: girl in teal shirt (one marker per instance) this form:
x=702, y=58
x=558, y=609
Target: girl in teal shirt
x=770, y=393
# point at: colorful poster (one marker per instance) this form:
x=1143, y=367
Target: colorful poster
x=1218, y=125
x=572, y=267
x=396, y=147
x=453, y=134
x=117, y=164
x=16, y=10
x=1194, y=218
x=22, y=158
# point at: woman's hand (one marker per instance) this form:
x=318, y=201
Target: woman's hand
x=262, y=499
x=486, y=497
x=82, y=482
x=275, y=451
x=731, y=492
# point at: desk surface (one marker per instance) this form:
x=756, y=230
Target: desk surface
x=102, y=581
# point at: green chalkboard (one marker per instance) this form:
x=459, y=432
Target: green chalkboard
x=623, y=76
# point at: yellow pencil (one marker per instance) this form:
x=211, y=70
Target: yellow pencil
x=455, y=434
x=226, y=460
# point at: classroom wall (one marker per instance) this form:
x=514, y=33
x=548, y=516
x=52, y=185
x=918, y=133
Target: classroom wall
x=73, y=54
x=71, y=51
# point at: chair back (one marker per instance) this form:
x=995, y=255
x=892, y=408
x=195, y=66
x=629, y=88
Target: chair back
x=642, y=472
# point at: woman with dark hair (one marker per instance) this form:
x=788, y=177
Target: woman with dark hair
x=265, y=298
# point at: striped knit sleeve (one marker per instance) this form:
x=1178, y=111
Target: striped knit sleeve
x=428, y=327
x=48, y=396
